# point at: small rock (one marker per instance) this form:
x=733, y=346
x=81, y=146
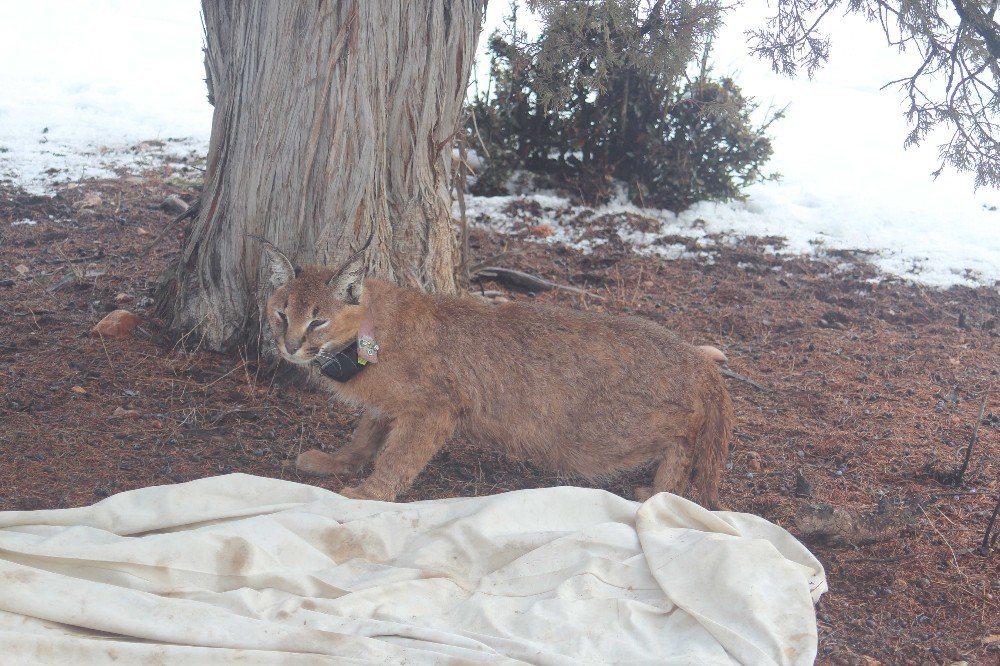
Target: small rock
x=802, y=486
x=116, y=324
x=122, y=413
x=78, y=389
x=22, y=269
x=156, y=424
x=174, y=204
x=141, y=231
x=122, y=297
x=922, y=583
x=92, y=200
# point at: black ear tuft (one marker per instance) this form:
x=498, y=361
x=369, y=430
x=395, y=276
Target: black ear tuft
x=347, y=282
x=281, y=268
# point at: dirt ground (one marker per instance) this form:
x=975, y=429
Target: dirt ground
x=869, y=392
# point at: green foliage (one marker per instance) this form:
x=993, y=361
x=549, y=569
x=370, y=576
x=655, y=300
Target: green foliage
x=956, y=82
x=604, y=94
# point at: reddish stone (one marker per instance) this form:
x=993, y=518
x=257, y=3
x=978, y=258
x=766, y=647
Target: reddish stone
x=117, y=324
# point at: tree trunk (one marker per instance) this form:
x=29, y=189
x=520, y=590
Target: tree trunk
x=333, y=120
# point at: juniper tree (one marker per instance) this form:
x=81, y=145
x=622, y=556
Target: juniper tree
x=618, y=89
x=955, y=86
x=333, y=121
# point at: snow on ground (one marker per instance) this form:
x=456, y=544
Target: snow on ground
x=91, y=86
x=85, y=83
x=846, y=181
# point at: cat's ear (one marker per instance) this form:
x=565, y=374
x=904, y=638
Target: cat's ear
x=348, y=282
x=282, y=269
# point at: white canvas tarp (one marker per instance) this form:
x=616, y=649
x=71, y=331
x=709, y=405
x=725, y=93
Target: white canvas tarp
x=250, y=570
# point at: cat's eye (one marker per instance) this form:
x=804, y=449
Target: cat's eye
x=316, y=323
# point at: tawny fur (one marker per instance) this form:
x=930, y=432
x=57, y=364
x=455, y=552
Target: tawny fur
x=713, y=353
x=576, y=392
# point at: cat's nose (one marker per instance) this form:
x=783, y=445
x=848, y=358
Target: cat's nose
x=292, y=347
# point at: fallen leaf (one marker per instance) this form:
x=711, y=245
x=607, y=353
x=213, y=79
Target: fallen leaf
x=542, y=230
x=78, y=389
x=117, y=324
x=991, y=639
x=22, y=269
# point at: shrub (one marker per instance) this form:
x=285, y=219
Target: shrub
x=603, y=94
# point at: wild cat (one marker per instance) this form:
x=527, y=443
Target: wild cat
x=576, y=392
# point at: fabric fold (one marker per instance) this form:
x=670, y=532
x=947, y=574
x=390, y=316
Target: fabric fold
x=246, y=569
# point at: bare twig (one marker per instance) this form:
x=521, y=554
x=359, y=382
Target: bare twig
x=475, y=126
x=959, y=477
x=190, y=212
x=954, y=558
x=492, y=259
x=526, y=281
x=726, y=372
x=63, y=259
x=989, y=544
x=489, y=293
x=880, y=560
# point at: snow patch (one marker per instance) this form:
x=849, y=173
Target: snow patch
x=916, y=249
x=87, y=85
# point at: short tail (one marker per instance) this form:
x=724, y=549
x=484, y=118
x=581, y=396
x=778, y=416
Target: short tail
x=712, y=448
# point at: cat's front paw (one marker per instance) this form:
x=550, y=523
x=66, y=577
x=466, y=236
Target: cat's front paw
x=366, y=491
x=319, y=463
x=355, y=492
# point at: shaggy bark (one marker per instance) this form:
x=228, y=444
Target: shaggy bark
x=332, y=120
